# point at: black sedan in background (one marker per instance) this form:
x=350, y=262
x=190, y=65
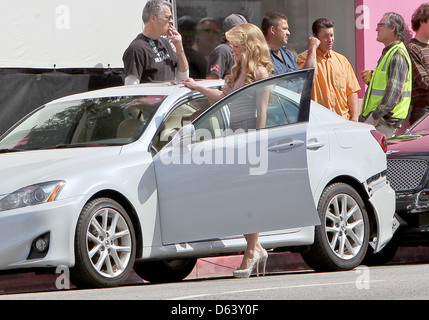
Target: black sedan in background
x=408, y=173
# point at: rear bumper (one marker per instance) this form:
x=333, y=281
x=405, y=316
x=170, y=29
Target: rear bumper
x=383, y=202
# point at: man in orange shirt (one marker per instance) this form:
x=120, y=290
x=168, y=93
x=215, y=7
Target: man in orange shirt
x=335, y=84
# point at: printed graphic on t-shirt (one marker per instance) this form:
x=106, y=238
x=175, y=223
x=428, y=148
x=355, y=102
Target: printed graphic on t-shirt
x=161, y=55
x=215, y=67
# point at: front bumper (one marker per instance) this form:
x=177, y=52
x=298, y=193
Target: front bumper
x=413, y=202
x=20, y=227
x=414, y=229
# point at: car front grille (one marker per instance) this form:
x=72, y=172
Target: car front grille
x=405, y=174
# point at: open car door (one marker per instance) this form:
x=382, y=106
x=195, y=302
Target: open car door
x=222, y=177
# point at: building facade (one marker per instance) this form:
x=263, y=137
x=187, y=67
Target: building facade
x=56, y=48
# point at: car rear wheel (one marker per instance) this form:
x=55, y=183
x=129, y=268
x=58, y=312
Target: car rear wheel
x=165, y=270
x=382, y=257
x=341, y=241
x=105, y=245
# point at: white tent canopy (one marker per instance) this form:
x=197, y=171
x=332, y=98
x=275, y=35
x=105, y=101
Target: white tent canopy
x=67, y=33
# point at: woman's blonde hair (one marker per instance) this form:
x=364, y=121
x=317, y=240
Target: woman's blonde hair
x=255, y=53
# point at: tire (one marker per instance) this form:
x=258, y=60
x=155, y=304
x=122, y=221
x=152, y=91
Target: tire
x=165, y=270
x=105, y=245
x=341, y=241
x=382, y=257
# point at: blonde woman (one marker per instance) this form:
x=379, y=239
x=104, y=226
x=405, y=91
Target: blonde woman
x=252, y=63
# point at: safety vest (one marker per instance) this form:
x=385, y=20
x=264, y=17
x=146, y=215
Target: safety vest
x=378, y=83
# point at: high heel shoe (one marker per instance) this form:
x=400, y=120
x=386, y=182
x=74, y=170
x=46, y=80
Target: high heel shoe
x=263, y=257
x=245, y=273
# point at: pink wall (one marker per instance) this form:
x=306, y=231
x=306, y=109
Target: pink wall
x=368, y=13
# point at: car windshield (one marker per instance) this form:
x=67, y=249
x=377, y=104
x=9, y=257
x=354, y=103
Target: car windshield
x=79, y=123
x=422, y=125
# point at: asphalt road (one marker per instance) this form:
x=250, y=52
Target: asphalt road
x=390, y=282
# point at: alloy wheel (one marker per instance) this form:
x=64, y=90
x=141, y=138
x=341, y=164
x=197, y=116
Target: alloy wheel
x=344, y=226
x=109, y=242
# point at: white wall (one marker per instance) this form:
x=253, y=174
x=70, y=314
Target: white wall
x=67, y=33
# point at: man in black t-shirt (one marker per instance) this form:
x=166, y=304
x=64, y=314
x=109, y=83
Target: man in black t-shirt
x=151, y=56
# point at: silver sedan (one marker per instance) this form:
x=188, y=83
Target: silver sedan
x=153, y=176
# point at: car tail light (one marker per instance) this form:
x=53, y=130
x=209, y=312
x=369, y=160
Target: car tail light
x=381, y=139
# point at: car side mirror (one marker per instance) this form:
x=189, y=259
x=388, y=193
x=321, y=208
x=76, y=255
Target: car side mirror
x=184, y=137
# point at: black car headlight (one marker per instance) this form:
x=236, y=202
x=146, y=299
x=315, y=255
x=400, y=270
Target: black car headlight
x=32, y=195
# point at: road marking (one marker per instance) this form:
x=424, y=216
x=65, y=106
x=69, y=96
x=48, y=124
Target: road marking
x=266, y=289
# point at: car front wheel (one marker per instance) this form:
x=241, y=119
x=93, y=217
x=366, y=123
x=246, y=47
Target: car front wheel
x=341, y=241
x=105, y=245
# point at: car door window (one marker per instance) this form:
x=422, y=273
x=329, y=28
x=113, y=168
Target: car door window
x=281, y=111
x=183, y=114
x=270, y=103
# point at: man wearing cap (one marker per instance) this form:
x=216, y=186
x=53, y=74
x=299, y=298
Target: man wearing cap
x=221, y=59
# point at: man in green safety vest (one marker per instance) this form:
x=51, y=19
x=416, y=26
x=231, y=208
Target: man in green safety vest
x=388, y=97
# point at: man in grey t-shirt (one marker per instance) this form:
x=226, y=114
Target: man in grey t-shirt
x=221, y=59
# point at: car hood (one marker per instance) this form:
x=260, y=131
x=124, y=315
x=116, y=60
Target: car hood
x=20, y=169
x=406, y=144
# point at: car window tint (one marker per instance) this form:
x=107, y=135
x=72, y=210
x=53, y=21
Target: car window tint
x=267, y=104
x=281, y=111
x=421, y=125
x=183, y=114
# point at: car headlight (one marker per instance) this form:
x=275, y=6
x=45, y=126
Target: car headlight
x=32, y=195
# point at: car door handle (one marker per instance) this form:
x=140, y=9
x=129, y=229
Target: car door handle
x=286, y=146
x=315, y=145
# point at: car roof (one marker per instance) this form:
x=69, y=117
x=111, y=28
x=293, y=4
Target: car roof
x=153, y=88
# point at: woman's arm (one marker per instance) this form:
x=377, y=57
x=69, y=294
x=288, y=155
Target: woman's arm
x=212, y=94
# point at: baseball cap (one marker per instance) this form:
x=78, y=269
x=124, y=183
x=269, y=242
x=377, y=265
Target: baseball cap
x=232, y=20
